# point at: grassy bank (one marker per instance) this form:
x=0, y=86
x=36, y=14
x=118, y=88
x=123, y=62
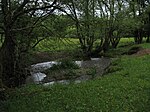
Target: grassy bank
x=125, y=90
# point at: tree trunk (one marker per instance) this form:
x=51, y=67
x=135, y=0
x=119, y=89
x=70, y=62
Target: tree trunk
x=138, y=36
x=148, y=39
x=107, y=40
x=106, y=45
x=12, y=69
x=114, y=41
x=7, y=60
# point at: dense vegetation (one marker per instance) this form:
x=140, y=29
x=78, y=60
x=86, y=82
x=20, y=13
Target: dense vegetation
x=98, y=24
x=33, y=31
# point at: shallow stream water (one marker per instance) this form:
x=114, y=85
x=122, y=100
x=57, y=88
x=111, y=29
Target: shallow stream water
x=37, y=74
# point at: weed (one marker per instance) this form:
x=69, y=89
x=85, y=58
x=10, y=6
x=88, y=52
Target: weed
x=71, y=74
x=68, y=64
x=65, y=64
x=112, y=69
x=92, y=71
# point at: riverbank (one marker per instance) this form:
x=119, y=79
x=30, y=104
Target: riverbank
x=125, y=87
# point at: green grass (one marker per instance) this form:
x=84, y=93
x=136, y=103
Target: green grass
x=69, y=44
x=124, y=46
x=129, y=40
x=125, y=88
x=145, y=45
x=58, y=44
x=125, y=41
x=72, y=45
x=122, y=91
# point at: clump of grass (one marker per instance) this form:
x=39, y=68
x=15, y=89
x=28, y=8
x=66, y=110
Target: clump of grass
x=65, y=64
x=65, y=69
x=92, y=72
x=70, y=74
x=112, y=69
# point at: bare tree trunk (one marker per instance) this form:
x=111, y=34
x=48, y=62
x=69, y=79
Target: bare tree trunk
x=138, y=36
x=7, y=60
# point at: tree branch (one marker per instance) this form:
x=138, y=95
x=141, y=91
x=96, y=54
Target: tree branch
x=22, y=11
x=37, y=43
x=22, y=6
x=61, y=9
x=47, y=29
x=4, y=6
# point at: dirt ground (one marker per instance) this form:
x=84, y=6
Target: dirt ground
x=142, y=52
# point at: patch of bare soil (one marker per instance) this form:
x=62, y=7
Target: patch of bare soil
x=142, y=52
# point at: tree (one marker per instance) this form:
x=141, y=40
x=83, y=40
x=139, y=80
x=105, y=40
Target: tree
x=83, y=14
x=12, y=26
x=112, y=12
x=96, y=19
x=138, y=8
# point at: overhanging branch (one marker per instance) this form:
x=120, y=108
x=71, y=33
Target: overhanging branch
x=37, y=43
x=20, y=11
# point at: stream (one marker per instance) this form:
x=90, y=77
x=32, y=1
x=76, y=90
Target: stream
x=37, y=75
